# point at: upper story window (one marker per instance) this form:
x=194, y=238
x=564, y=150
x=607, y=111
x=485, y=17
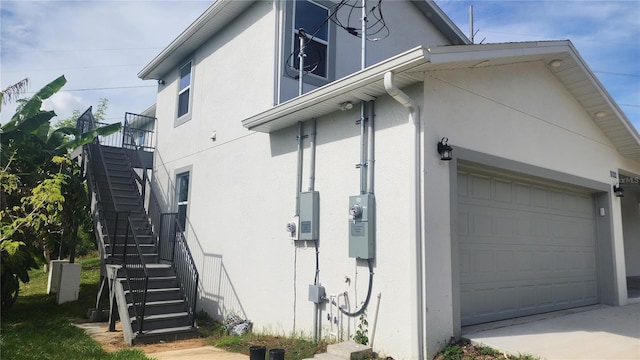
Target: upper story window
x=313, y=18
x=184, y=91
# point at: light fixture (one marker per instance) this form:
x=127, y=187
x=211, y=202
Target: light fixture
x=444, y=149
x=160, y=82
x=619, y=191
x=347, y=105
x=214, y=136
x=600, y=114
x=556, y=63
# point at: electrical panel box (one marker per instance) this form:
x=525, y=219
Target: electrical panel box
x=317, y=294
x=309, y=215
x=362, y=216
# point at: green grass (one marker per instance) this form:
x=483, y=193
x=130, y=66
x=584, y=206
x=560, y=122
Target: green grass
x=296, y=347
x=464, y=350
x=38, y=328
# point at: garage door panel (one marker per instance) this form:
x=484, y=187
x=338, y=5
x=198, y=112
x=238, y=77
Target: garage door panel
x=524, y=248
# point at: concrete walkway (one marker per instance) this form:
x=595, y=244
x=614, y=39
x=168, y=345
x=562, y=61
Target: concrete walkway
x=599, y=332
x=201, y=353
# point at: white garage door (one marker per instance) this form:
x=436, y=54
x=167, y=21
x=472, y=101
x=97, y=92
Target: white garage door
x=525, y=247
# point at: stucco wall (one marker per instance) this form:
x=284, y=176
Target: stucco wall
x=517, y=112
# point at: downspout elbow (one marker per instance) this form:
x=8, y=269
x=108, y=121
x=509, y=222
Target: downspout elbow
x=400, y=96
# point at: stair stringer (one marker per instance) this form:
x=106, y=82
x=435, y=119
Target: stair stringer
x=123, y=311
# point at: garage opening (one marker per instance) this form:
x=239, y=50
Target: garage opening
x=630, y=208
x=525, y=246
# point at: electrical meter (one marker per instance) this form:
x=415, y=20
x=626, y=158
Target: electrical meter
x=362, y=226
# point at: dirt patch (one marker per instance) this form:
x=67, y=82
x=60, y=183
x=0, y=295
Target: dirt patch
x=112, y=341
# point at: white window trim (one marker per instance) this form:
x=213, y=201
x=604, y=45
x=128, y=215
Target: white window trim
x=177, y=173
x=187, y=116
x=316, y=39
x=288, y=36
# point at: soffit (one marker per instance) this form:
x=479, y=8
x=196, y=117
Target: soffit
x=409, y=68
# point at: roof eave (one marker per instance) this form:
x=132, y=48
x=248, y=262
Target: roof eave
x=363, y=85
x=367, y=84
x=442, y=22
x=217, y=16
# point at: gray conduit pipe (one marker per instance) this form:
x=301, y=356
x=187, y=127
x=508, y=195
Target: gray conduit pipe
x=312, y=156
x=370, y=146
x=299, y=169
x=363, y=149
x=414, y=116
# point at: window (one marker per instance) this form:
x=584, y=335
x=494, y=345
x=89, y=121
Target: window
x=182, y=181
x=184, y=92
x=313, y=18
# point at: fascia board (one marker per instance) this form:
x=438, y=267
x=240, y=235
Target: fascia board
x=284, y=115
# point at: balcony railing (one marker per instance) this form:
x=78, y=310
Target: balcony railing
x=136, y=133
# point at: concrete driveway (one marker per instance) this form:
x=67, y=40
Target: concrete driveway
x=597, y=332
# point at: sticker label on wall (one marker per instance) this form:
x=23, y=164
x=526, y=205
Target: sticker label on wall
x=305, y=227
x=357, y=230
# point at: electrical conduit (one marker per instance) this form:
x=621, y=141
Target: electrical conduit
x=414, y=116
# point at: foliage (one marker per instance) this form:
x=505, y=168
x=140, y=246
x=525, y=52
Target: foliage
x=43, y=202
x=362, y=332
x=465, y=350
x=12, y=91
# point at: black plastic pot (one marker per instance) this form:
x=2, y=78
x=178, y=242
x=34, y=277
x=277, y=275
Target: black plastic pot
x=276, y=354
x=257, y=352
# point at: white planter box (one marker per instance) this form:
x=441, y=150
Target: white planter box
x=69, y=283
x=55, y=268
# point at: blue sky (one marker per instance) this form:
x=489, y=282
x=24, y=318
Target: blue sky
x=100, y=46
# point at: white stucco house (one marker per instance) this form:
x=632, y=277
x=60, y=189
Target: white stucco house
x=523, y=219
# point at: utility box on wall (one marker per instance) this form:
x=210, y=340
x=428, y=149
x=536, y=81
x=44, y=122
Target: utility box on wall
x=309, y=215
x=362, y=226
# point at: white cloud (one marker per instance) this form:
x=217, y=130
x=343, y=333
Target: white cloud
x=63, y=103
x=97, y=45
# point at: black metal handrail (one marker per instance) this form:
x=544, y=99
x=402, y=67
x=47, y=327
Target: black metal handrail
x=135, y=135
x=137, y=277
x=173, y=247
x=97, y=213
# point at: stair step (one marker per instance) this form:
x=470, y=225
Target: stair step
x=350, y=350
x=170, y=334
x=326, y=356
x=161, y=307
x=159, y=294
x=158, y=283
x=154, y=271
x=162, y=321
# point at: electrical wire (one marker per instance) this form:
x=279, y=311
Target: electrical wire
x=374, y=28
x=310, y=68
x=316, y=279
x=366, y=300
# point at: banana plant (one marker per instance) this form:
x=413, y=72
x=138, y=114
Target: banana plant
x=40, y=187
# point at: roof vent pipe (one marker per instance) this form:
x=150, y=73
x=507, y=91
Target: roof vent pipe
x=416, y=196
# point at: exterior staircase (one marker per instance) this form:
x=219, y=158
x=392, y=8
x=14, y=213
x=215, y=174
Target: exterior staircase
x=149, y=291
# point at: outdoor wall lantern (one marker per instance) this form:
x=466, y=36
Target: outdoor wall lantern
x=444, y=149
x=619, y=191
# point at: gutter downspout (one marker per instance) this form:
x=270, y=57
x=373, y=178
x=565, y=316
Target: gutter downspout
x=414, y=116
